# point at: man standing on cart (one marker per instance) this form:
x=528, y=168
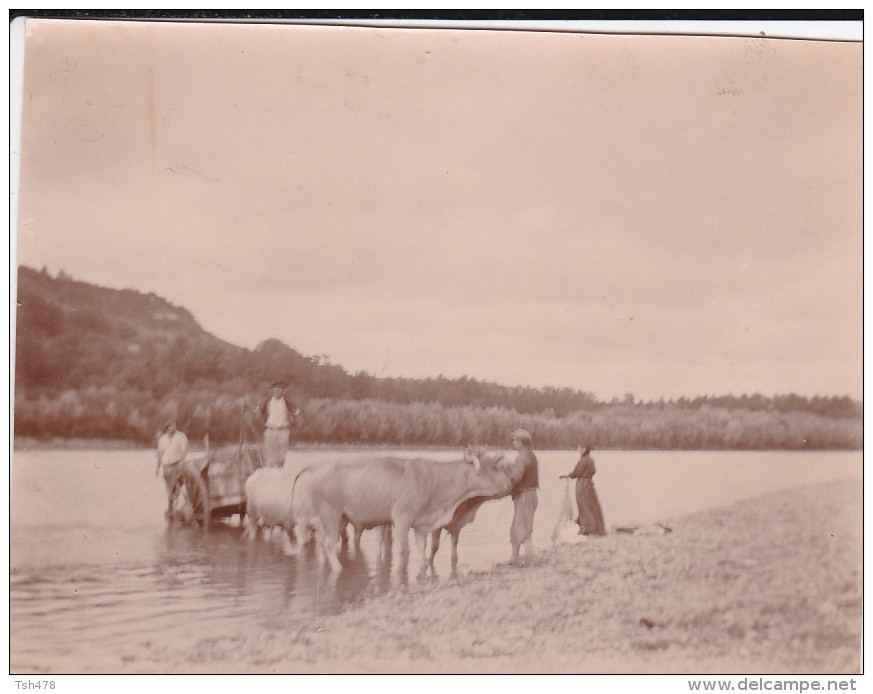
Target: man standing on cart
x=277, y=411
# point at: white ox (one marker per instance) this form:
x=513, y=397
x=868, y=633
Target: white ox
x=271, y=502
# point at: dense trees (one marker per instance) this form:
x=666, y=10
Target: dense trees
x=94, y=362
x=135, y=415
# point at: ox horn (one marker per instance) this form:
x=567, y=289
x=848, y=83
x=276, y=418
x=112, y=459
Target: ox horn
x=470, y=456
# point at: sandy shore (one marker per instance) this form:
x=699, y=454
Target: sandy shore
x=768, y=585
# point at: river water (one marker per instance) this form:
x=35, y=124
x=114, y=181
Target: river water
x=95, y=569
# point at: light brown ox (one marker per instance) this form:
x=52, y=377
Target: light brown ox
x=410, y=494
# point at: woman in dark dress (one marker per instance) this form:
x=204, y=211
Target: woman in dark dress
x=590, y=518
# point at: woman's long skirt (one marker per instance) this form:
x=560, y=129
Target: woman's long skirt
x=590, y=518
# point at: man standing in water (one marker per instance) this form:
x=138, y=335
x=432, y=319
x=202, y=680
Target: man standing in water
x=277, y=412
x=524, y=498
x=172, y=449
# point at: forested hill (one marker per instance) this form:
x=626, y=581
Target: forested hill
x=76, y=335
x=98, y=362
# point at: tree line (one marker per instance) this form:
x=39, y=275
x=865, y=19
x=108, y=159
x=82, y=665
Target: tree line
x=105, y=412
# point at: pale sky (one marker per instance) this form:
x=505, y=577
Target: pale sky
x=665, y=216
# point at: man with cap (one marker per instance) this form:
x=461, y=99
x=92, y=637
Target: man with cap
x=524, y=497
x=172, y=449
x=277, y=411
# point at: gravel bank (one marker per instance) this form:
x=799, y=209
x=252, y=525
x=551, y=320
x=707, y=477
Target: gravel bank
x=769, y=585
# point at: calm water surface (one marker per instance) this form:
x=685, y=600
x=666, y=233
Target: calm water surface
x=95, y=568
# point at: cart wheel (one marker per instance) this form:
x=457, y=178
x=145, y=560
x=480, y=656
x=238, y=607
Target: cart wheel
x=189, y=499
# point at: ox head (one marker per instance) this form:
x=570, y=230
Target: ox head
x=495, y=471
x=478, y=456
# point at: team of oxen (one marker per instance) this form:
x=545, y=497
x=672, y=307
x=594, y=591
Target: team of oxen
x=395, y=495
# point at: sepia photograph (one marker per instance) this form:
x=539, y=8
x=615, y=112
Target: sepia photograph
x=436, y=348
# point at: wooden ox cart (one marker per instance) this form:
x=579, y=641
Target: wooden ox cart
x=212, y=486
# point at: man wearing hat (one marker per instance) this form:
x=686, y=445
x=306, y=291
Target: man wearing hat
x=277, y=412
x=524, y=497
x=172, y=449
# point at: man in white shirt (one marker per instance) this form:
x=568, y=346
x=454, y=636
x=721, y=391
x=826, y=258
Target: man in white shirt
x=172, y=449
x=277, y=413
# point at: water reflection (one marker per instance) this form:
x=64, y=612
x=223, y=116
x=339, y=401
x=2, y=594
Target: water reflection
x=352, y=582
x=198, y=584
x=228, y=564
